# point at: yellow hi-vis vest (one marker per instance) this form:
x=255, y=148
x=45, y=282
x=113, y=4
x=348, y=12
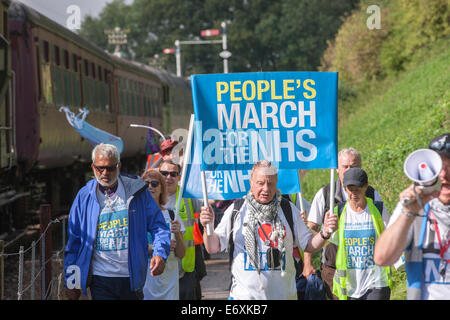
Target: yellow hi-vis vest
x=188, y=261
x=341, y=276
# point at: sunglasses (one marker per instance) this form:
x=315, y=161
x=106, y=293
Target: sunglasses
x=154, y=183
x=439, y=145
x=172, y=173
x=107, y=168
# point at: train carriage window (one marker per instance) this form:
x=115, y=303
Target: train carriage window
x=66, y=59
x=46, y=74
x=74, y=62
x=93, y=70
x=86, y=68
x=45, y=51
x=57, y=77
x=56, y=56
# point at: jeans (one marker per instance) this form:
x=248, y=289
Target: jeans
x=113, y=288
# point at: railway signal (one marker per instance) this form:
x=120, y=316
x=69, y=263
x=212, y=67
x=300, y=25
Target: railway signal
x=210, y=32
x=117, y=37
x=225, y=54
x=168, y=50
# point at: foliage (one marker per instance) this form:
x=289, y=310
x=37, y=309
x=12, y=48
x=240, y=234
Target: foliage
x=360, y=54
x=263, y=35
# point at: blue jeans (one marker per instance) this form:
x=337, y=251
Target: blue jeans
x=113, y=288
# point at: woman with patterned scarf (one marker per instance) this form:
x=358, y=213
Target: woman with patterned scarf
x=263, y=265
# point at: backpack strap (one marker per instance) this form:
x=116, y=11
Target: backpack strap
x=340, y=206
x=379, y=205
x=171, y=214
x=287, y=211
x=370, y=193
x=236, y=208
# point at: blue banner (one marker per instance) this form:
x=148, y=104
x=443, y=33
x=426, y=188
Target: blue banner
x=288, y=118
x=228, y=184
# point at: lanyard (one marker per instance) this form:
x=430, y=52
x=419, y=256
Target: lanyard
x=442, y=247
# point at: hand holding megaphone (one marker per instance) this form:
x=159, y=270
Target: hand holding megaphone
x=422, y=167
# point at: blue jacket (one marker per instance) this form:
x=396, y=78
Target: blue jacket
x=143, y=216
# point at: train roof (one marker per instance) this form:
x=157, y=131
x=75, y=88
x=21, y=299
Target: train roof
x=21, y=12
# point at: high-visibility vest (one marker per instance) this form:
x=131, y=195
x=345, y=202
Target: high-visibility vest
x=188, y=261
x=341, y=276
x=198, y=237
x=152, y=160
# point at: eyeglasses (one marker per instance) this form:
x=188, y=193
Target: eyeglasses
x=154, y=183
x=107, y=168
x=439, y=145
x=172, y=173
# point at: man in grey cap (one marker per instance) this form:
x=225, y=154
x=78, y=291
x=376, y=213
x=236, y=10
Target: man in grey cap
x=361, y=221
x=423, y=233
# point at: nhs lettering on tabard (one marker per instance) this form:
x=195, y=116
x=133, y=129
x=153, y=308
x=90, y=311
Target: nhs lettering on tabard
x=432, y=272
x=262, y=262
x=288, y=118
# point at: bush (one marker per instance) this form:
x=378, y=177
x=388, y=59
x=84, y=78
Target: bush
x=361, y=55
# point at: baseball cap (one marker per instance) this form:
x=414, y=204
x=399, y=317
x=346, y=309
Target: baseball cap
x=355, y=177
x=441, y=144
x=167, y=146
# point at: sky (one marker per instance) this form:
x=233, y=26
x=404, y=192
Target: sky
x=57, y=10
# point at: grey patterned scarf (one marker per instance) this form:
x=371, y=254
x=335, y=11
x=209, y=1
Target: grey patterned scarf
x=262, y=213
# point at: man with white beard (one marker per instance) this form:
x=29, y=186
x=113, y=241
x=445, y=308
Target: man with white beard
x=108, y=225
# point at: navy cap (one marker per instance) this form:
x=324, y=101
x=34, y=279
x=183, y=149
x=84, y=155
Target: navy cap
x=355, y=177
x=441, y=144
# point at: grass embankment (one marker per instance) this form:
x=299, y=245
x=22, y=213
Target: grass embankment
x=389, y=119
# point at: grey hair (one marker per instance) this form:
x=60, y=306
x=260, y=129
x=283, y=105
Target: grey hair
x=106, y=150
x=264, y=164
x=353, y=152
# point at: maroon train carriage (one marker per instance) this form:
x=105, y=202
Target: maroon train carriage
x=42, y=156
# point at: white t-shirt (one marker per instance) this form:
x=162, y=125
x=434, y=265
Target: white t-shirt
x=435, y=287
x=110, y=257
x=269, y=284
x=166, y=285
x=360, y=237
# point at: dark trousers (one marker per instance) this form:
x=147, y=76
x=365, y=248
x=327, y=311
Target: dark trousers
x=383, y=293
x=188, y=286
x=327, y=277
x=113, y=288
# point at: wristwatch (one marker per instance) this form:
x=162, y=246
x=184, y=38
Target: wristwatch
x=323, y=237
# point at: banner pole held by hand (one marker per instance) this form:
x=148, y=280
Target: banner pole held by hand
x=332, y=191
x=205, y=201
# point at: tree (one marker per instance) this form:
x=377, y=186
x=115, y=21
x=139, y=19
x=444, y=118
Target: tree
x=263, y=35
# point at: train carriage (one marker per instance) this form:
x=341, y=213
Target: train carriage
x=50, y=67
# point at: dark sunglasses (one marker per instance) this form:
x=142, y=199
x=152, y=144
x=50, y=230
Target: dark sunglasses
x=439, y=145
x=108, y=168
x=154, y=183
x=172, y=173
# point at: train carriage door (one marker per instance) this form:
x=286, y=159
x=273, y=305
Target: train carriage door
x=6, y=106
